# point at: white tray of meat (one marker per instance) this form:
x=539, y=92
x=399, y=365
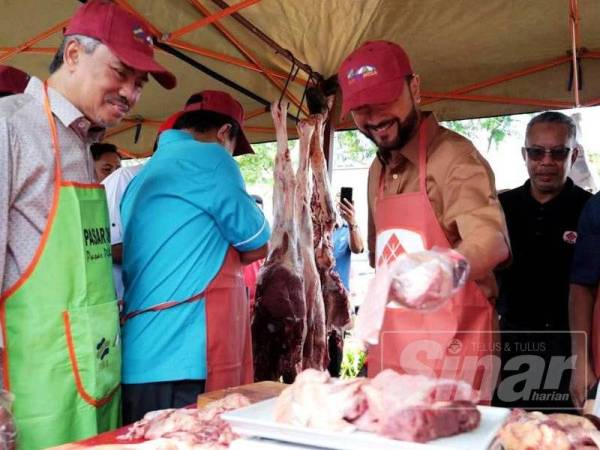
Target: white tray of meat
x=258, y=420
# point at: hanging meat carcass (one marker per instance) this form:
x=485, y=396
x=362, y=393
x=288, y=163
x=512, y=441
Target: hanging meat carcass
x=288, y=327
x=335, y=296
x=279, y=321
x=301, y=303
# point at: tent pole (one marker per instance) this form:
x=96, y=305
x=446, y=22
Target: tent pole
x=574, y=22
x=267, y=40
x=226, y=81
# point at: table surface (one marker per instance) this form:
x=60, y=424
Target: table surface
x=255, y=392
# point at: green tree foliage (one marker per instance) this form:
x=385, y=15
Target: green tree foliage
x=352, y=149
x=258, y=168
x=495, y=129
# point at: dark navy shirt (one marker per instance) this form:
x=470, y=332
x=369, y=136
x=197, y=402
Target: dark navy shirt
x=586, y=261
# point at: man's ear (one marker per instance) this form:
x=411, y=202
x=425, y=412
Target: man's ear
x=575, y=154
x=223, y=133
x=523, y=153
x=72, y=55
x=415, y=88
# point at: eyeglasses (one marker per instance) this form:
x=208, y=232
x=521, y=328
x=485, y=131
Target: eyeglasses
x=538, y=153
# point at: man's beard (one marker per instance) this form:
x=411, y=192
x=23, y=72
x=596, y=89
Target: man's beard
x=406, y=130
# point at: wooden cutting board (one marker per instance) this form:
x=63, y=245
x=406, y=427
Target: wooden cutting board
x=255, y=392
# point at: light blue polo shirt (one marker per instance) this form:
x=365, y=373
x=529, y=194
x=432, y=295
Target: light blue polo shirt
x=180, y=214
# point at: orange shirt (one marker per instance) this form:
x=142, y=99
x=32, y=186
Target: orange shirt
x=461, y=189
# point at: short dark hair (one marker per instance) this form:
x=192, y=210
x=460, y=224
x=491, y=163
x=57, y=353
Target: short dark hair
x=100, y=148
x=202, y=121
x=554, y=117
x=89, y=45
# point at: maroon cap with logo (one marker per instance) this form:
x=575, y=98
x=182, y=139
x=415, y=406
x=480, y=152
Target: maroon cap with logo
x=124, y=34
x=373, y=73
x=223, y=103
x=12, y=80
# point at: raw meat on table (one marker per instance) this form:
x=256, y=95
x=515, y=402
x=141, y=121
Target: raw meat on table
x=406, y=407
x=186, y=427
x=535, y=430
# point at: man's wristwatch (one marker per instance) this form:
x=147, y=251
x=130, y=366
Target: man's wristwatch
x=354, y=226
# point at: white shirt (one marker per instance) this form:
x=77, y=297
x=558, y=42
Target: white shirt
x=116, y=184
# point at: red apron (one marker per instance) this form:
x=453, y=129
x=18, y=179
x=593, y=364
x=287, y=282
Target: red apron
x=228, y=342
x=454, y=341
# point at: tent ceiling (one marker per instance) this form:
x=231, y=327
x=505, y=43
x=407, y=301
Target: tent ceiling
x=452, y=45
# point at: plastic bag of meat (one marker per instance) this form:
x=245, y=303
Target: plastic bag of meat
x=426, y=280
x=422, y=281
x=8, y=435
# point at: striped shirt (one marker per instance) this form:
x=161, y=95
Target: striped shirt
x=27, y=170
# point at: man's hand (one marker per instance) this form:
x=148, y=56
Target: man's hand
x=582, y=380
x=254, y=255
x=347, y=211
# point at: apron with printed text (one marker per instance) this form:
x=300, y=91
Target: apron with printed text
x=60, y=322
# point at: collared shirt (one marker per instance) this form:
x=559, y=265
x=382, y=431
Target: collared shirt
x=27, y=170
x=181, y=214
x=586, y=260
x=460, y=186
x=534, y=289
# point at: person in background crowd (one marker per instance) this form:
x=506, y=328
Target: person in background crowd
x=106, y=159
x=12, y=81
x=60, y=322
x=427, y=187
x=584, y=307
x=187, y=324
x=346, y=240
x=542, y=218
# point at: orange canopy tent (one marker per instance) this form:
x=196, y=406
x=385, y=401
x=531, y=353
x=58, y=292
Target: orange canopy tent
x=475, y=58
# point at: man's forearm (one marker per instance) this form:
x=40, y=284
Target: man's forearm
x=356, y=242
x=581, y=308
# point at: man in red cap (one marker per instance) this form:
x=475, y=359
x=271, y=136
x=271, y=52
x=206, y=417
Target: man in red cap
x=12, y=81
x=59, y=315
x=189, y=225
x=427, y=187
x=115, y=185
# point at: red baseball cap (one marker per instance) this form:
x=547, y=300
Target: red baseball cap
x=169, y=122
x=373, y=73
x=12, y=80
x=123, y=33
x=223, y=103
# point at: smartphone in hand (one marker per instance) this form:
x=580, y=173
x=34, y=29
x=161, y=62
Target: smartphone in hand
x=346, y=194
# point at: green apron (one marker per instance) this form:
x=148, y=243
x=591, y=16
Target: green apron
x=60, y=323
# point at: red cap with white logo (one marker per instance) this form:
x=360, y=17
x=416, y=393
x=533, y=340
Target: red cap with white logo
x=123, y=33
x=374, y=73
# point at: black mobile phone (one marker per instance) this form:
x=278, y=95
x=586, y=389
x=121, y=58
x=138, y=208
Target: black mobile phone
x=346, y=194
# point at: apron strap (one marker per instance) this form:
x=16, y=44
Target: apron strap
x=422, y=158
x=53, y=134
x=162, y=306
